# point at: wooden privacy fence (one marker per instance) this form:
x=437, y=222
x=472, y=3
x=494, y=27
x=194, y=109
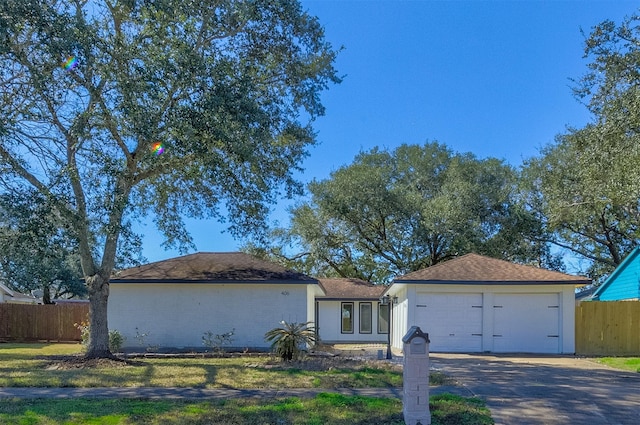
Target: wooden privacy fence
x=28, y=322
x=608, y=328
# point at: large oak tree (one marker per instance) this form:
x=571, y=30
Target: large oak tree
x=392, y=212
x=586, y=186
x=115, y=108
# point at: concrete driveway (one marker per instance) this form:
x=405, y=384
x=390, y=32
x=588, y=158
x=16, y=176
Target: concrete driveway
x=527, y=390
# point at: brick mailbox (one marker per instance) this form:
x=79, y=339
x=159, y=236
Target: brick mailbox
x=415, y=399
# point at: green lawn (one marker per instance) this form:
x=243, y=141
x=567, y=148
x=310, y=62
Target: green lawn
x=24, y=365
x=323, y=409
x=40, y=365
x=9, y=350
x=624, y=363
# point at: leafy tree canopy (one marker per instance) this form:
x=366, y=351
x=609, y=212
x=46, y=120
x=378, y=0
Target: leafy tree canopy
x=392, y=212
x=36, y=253
x=587, y=185
x=115, y=108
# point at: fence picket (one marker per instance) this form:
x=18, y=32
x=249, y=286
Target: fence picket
x=608, y=328
x=30, y=322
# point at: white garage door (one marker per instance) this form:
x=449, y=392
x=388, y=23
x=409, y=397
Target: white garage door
x=453, y=321
x=528, y=323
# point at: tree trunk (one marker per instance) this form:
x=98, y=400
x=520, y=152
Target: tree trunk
x=98, y=327
x=46, y=295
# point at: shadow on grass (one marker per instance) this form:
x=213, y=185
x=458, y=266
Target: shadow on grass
x=19, y=356
x=194, y=374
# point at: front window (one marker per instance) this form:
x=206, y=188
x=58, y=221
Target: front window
x=383, y=318
x=365, y=318
x=347, y=318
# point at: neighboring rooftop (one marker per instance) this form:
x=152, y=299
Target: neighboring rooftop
x=346, y=288
x=474, y=268
x=12, y=296
x=623, y=283
x=211, y=267
x=586, y=293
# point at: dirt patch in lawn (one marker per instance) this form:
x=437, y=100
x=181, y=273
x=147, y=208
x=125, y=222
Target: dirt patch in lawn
x=324, y=364
x=321, y=358
x=310, y=363
x=79, y=362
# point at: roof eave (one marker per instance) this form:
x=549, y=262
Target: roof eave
x=347, y=298
x=6, y=290
x=577, y=282
x=213, y=282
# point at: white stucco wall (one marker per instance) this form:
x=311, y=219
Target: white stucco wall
x=399, y=324
x=177, y=315
x=407, y=296
x=312, y=292
x=329, y=323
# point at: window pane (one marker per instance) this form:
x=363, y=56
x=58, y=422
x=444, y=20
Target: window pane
x=383, y=319
x=347, y=318
x=365, y=318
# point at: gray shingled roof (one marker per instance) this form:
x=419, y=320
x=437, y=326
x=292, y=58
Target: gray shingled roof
x=211, y=267
x=344, y=288
x=474, y=268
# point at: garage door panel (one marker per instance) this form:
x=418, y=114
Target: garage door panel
x=453, y=321
x=526, y=323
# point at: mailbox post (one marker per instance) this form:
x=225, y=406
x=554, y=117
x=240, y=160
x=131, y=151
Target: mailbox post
x=415, y=399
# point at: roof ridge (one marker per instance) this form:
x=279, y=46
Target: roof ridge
x=473, y=267
x=212, y=266
x=346, y=279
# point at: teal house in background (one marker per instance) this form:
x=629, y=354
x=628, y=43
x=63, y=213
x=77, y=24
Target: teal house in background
x=624, y=282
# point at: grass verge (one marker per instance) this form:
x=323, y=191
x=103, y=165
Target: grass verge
x=624, y=363
x=36, y=365
x=23, y=365
x=30, y=350
x=323, y=409
x=198, y=372
x=449, y=409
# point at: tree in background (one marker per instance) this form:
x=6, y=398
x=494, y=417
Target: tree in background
x=39, y=253
x=36, y=252
x=114, y=109
x=390, y=213
x=586, y=187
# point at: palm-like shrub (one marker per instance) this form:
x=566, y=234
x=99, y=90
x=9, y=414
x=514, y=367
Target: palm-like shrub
x=288, y=340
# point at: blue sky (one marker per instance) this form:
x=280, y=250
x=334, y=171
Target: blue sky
x=488, y=77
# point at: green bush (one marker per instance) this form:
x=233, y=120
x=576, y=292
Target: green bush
x=115, y=341
x=115, y=337
x=289, y=341
x=84, y=332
